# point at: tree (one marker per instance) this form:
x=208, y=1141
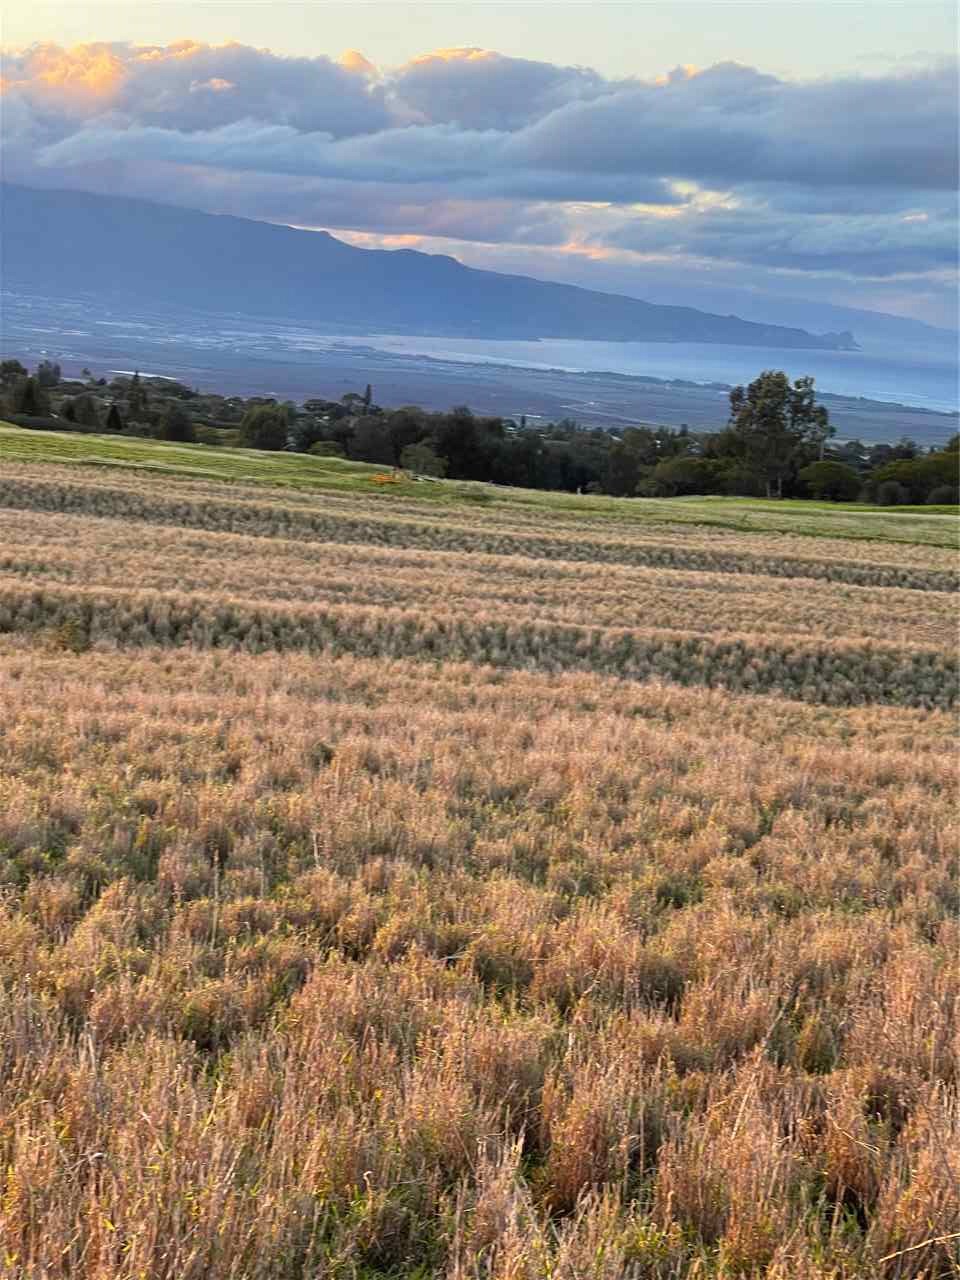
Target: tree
x=265, y=426
x=136, y=396
x=774, y=420
x=371, y=441
x=404, y=427
x=919, y=476
x=676, y=477
x=176, y=424
x=48, y=373
x=85, y=412
x=903, y=451
x=832, y=481
x=421, y=460
x=114, y=422
x=890, y=493
x=10, y=371
x=30, y=398
x=622, y=472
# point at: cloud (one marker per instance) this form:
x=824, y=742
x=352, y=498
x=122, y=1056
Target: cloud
x=159, y=85
x=732, y=124
x=868, y=245
x=479, y=89
x=848, y=176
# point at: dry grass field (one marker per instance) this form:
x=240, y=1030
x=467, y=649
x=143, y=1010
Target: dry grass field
x=473, y=890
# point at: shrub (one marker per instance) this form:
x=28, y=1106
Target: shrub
x=920, y=475
x=265, y=426
x=177, y=425
x=831, y=481
x=739, y=480
x=675, y=477
x=890, y=493
x=422, y=460
x=943, y=495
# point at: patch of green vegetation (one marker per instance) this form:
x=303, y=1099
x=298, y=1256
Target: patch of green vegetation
x=930, y=526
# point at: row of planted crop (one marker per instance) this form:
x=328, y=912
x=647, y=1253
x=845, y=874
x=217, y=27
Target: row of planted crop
x=272, y=520
x=837, y=673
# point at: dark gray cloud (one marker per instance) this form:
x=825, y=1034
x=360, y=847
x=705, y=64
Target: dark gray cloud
x=480, y=89
x=731, y=124
x=869, y=245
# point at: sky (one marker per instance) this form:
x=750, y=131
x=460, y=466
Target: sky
x=782, y=149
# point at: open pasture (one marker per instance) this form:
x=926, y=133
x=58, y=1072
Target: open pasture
x=401, y=888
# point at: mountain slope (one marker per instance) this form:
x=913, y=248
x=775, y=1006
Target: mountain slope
x=62, y=243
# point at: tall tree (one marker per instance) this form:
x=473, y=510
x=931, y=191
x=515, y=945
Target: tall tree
x=136, y=397
x=48, y=373
x=85, y=412
x=30, y=397
x=773, y=420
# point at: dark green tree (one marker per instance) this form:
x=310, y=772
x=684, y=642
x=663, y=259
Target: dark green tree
x=85, y=412
x=48, y=373
x=177, y=425
x=10, y=371
x=422, y=461
x=622, y=472
x=774, y=420
x=372, y=441
x=114, y=422
x=30, y=398
x=832, y=481
x=136, y=397
x=404, y=427
x=265, y=426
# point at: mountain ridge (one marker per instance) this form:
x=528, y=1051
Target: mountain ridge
x=65, y=242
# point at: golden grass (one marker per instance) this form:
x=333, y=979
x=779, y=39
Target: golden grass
x=384, y=906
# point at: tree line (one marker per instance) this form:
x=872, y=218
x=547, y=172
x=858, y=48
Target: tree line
x=777, y=440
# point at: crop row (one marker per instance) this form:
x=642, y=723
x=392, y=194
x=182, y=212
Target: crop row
x=70, y=549
x=273, y=520
x=841, y=674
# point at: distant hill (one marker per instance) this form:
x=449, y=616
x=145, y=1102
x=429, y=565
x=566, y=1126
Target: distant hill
x=64, y=243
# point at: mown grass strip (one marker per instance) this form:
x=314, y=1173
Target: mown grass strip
x=299, y=473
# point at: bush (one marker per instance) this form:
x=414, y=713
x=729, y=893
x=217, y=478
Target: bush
x=831, y=481
x=944, y=495
x=677, y=477
x=891, y=493
x=327, y=449
x=265, y=427
x=422, y=460
x=739, y=480
x=919, y=476
x=177, y=426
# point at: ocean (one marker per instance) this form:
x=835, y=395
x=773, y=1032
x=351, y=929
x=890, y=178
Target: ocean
x=927, y=379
